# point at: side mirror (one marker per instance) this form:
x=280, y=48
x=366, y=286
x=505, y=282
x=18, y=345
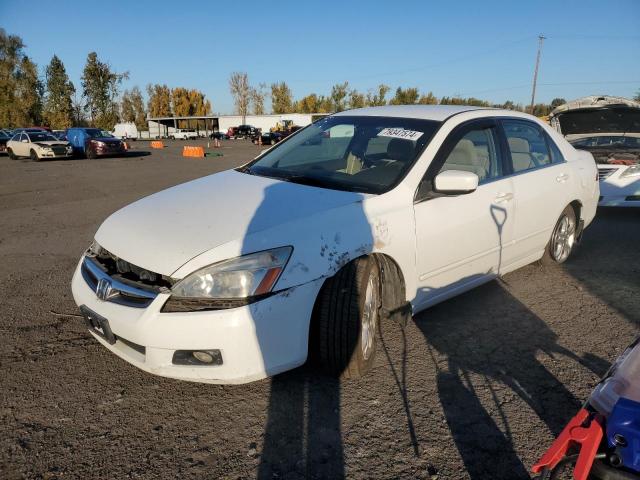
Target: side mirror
x=455, y=182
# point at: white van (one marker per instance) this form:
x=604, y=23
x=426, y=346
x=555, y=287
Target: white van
x=125, y=131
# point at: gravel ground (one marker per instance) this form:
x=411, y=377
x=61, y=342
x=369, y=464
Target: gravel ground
x=475, y=387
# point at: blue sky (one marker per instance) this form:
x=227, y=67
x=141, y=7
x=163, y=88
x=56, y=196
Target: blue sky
x=482, y=48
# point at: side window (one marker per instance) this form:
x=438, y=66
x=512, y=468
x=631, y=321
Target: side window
x=556, y=154
x=527, y=144
x=23, y=137
x=16, y=137
x=476, y=152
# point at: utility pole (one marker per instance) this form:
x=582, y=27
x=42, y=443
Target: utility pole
x=541, y=39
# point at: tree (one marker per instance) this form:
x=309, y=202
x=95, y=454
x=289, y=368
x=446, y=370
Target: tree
x=10, y=56
x=378, y=99
x=132, y=108
x=159, y=104
x=78, y=110
x=281, y=98
x=58, y=104
x=28, y=94
x=339, y=94
x=408, y=96
x=637, y=97
x=357, y=99
x=241, y=93
x=258, y=94
x=556, y=102
x=428, y=99
x=100, y=88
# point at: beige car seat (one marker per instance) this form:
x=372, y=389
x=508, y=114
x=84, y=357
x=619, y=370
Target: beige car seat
x=520, y=154
x=465, y=157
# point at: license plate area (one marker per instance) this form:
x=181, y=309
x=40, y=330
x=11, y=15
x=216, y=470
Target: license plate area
x=98, y=324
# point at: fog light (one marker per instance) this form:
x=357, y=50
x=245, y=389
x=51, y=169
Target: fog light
x=197, y=357
x=203, y=357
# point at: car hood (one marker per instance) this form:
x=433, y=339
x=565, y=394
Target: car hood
x=165, y=230
x=596, y=114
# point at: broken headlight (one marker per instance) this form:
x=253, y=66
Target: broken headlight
x=632, y=171
x=230, y=283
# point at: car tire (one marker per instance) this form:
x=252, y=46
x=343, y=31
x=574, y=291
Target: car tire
x=91, y=154
x=563, y=238
x=12, y=155
x=33, y=155
x=346, y=319
x=273, y=142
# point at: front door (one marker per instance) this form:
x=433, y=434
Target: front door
x=460, y=238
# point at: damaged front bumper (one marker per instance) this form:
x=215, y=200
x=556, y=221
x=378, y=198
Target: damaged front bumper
x=253, y=341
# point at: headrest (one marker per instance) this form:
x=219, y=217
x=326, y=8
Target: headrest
x=519, y=145
x=400, y=149
x=464, y=153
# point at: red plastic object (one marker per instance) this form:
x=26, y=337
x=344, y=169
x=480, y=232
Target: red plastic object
x=585, y=431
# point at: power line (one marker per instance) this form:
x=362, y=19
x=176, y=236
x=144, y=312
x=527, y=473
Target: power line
x=554, y=84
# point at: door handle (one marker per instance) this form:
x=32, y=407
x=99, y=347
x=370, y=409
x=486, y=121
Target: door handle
x=562, y=178
x=504, y=197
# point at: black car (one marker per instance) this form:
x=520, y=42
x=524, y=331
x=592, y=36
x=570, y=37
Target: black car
x=220, y=135
x=4, y=138
x=245, y=131
x=267, y=138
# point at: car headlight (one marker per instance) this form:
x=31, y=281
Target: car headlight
x=231, y=283
x=632, y=171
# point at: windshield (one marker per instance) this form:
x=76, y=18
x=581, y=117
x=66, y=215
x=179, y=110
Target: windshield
x=364, y=154
x=97, y=133
x=41, y=137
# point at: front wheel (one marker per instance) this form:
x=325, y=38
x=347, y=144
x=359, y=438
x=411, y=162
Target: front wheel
x=34, y=156
x=563, y=238
x=346, y=319
x=12, y=155
x=91, y=153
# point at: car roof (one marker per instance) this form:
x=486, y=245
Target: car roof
x=427, y=112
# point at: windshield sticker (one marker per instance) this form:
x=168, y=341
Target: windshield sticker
x=400, y=133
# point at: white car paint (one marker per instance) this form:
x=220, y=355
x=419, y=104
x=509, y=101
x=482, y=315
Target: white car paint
x=616, y=188
x=184, y=135
x=442, y=246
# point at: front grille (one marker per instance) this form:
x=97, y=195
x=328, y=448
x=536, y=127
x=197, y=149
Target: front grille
x=59, y=150
x=605, y=172
x=117, y=281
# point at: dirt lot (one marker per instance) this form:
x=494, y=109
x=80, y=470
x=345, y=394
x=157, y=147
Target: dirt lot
x=473, y=388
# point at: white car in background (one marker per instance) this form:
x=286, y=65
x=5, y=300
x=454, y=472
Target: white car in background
x=609, y=128
x=37, y=144
x=362, y=215
x=185, y=134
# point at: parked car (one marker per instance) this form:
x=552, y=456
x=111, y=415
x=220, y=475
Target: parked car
x=219, y=134
x=4, y=138
x=609, y=128
x=231, y=132
x=245, y=131
x=185, y=134
x=267, y=138
x=37, y=145
x=367, y=213
x=125, y=131
x=94, y=142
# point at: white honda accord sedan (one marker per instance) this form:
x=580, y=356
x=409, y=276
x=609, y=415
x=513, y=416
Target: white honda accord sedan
x=301, y=252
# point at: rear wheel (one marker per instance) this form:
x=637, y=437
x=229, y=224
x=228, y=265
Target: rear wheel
x=346, y=319
x=34, y=156
x=563, y=238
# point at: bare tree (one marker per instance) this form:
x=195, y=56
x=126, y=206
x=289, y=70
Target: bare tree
x=241, y=92
x=258, y=95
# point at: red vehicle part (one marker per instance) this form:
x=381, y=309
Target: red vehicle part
x=585, y=430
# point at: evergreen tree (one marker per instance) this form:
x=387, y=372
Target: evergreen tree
x=58, y=104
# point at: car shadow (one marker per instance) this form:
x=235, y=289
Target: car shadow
x=489, y=355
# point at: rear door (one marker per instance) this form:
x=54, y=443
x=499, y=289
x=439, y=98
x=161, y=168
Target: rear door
x=460, y=238
x=542, y=187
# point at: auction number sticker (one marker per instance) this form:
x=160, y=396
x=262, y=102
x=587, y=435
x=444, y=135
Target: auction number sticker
x=400, y=133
